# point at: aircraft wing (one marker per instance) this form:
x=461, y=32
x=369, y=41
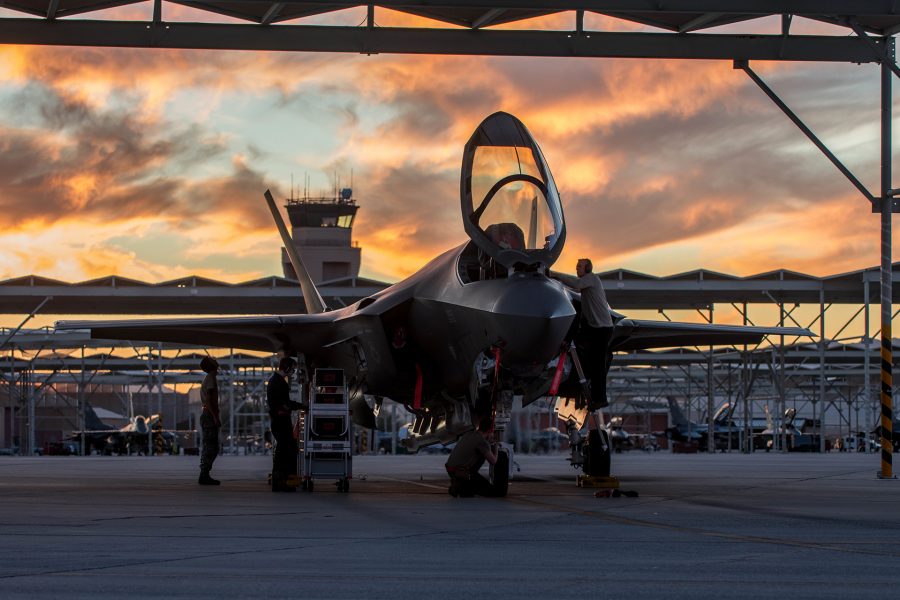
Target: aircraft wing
x=267, y=334
x=636, y=334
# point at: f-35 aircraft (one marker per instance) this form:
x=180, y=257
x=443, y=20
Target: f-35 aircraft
x=476, y=326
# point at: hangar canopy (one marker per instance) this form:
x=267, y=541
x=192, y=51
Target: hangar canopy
x=674, y=29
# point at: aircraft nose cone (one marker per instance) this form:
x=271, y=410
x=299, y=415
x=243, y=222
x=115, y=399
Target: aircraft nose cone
x=535, y=314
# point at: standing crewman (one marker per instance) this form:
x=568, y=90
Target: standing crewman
x=209, y=419
x=278, y=398
x=595, y=329
x=469, y=454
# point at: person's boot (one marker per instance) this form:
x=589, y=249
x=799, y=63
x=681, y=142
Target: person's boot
x=205, y=479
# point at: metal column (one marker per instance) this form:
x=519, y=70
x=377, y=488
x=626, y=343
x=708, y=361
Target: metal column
x=822, y=342
x=867, y=378
x=779, y=438
x=231, y=448
x=887, y=360
x=710, y=392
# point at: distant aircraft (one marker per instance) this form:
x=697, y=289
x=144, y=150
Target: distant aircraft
x=476, y=326
x=725, y=434
x=106, y=439
x=895, y=435
x=621, y=439
x=767, y=436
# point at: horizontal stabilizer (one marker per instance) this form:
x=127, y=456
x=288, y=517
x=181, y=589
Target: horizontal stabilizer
x=298, y=333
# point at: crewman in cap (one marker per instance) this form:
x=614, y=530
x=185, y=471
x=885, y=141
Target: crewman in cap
x=278, y=398
x=209, y=420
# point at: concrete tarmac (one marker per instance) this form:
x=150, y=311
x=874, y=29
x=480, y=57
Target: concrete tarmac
x=729, y=525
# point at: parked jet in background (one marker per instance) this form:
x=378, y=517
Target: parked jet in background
x=726, y=434
x=621, y=439
x=476, y=326
x=131, y=438
x=766, y=438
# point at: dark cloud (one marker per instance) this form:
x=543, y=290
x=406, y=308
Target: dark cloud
x=112, y=163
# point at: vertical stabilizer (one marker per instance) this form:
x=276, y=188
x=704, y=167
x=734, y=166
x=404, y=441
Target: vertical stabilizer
x=678, y=418
x=314, y=302
x=92, y=422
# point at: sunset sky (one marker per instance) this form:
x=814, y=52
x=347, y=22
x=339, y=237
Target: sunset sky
x=151, y=164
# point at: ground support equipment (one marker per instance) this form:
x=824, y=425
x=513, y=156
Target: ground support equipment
x=326, y=431
x=591, y=481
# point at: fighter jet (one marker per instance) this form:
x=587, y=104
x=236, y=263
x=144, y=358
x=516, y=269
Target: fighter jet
x=107, y=439
x=725, y=433
x=765, y=439
x=620, y=438
x=477, y=326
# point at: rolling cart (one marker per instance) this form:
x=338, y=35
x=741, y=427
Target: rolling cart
x=326, y=431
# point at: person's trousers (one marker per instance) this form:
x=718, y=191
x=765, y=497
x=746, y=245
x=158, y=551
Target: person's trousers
x=592, y=344
x=209, y=432
x=466, y=485
x=284, y=459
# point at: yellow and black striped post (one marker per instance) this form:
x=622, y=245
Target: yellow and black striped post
x=887, y=284
x=887, y=416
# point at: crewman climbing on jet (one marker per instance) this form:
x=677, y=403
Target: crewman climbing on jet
x=594, y=330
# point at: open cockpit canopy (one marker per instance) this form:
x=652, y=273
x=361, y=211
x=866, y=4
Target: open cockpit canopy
x=510, y=203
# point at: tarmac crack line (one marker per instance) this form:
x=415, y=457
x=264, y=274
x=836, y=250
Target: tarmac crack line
x=734, y=537
x=316, y=543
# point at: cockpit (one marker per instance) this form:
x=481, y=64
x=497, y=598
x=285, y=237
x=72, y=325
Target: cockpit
x=510, y=204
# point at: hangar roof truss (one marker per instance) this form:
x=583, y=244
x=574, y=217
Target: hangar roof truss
x=674, y=29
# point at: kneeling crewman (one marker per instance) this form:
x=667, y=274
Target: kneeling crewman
x=471, y=450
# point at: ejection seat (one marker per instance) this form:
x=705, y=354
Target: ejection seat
x=507, y=236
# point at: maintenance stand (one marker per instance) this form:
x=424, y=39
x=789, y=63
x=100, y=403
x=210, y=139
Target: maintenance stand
x=326, y=431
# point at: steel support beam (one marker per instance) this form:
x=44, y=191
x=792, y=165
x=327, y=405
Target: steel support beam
x=886, y=267
x=28, y=318
x=394, y=40
x=710, y=393
x=744, y=66
x=808, y=8
x=867, y=380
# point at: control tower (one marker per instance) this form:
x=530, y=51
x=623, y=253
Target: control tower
x=321, y=229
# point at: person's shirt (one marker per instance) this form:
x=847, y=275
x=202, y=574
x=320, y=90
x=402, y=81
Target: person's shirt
x=209, y=393
x=470, y=452
x=594, y=307
x=278, y=397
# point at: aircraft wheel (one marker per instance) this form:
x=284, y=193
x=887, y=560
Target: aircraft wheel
x=500, y=474
x=345, y=485
x=597, y=454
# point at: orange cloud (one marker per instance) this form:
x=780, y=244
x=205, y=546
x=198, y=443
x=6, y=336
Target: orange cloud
x=640, y=150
